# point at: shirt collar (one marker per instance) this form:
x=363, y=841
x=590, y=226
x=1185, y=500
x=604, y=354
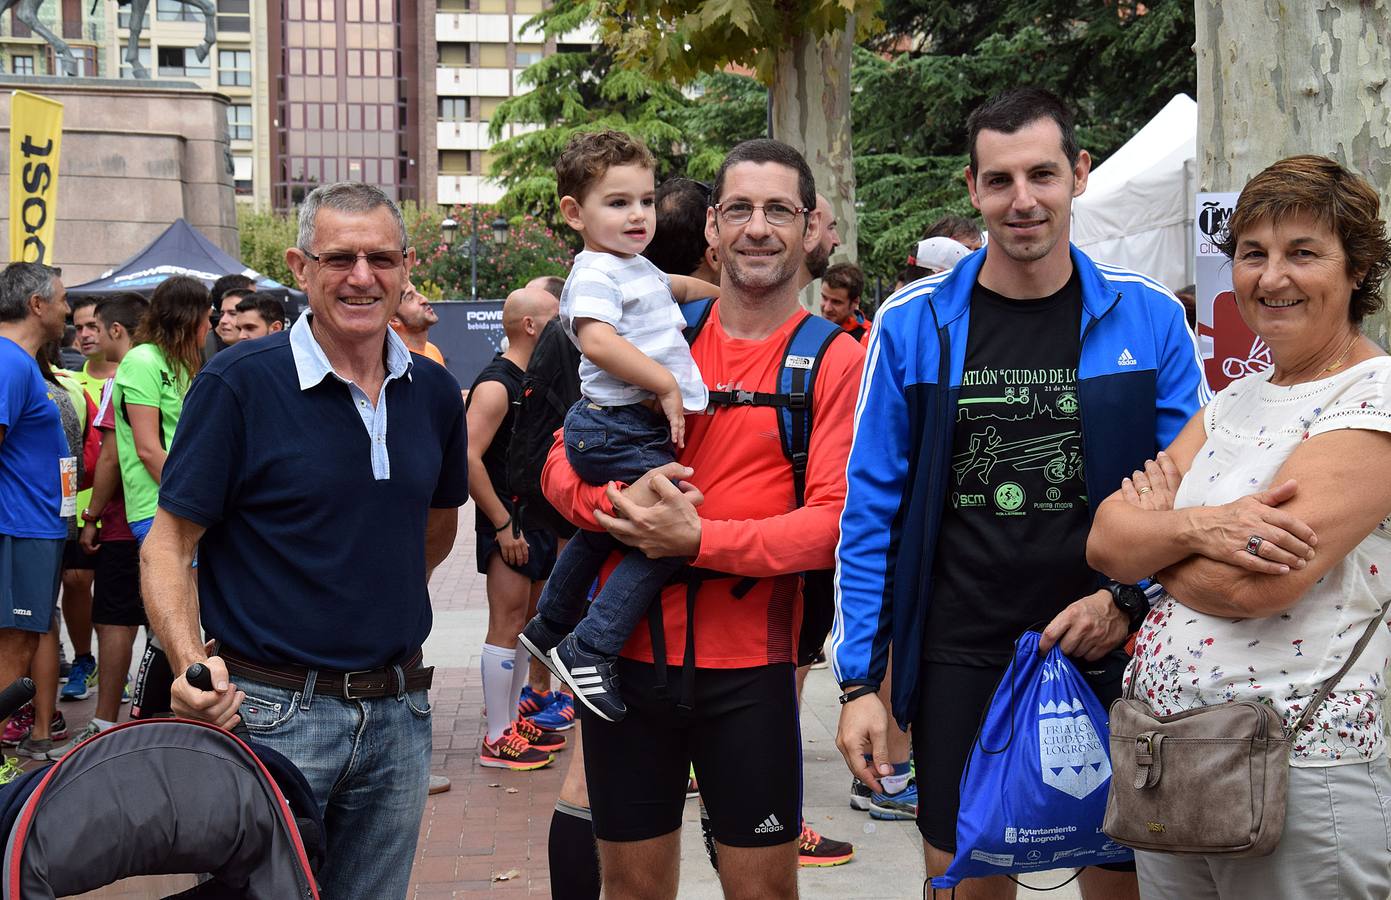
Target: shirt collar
x=312, y=365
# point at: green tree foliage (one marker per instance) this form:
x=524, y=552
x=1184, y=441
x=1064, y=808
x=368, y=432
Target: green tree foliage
x=1116, y=61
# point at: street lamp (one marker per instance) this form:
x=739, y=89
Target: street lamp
x=449, y=233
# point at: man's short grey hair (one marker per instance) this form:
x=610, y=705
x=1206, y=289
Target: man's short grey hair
x=348, y=197
x=19, y=282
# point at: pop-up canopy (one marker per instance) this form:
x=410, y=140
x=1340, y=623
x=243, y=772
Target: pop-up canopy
x=1139, y=203
x=180, y=250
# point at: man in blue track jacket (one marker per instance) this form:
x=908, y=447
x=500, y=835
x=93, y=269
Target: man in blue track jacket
x=1001, y=403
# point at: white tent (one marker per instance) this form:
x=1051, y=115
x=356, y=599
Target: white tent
x=1137, y=211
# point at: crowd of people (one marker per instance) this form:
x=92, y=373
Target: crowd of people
x=689, y=491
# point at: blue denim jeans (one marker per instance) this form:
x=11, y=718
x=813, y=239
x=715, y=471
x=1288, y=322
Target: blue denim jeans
x=603, y=444
x=368, y=764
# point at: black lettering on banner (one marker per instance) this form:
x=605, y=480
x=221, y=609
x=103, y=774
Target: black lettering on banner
x=35, y=178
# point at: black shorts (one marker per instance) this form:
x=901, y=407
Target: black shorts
x=74, y=557
x=742, y=735
x=951, y=702
x=116, y=593
x=540, y=557
x=154, y=683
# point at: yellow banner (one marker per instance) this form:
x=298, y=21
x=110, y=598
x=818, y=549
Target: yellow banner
x=36, y=133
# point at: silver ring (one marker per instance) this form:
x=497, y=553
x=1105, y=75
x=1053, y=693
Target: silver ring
x=1145, y=490
x=1253, y=544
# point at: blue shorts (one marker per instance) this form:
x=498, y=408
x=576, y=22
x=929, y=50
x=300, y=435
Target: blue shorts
x=30, y=572
x=140, y=528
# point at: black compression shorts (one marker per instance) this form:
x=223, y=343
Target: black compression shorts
x=742, y=735
x=116, y=591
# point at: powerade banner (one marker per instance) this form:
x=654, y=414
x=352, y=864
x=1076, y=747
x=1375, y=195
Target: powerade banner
x=469, y=334
x=1230, y=350
x=1034, y=791
x=36, y=135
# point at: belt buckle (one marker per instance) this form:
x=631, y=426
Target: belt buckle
x=347, y=683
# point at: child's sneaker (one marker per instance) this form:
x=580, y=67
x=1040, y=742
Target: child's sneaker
x=19, y=726
x=513, y=752
x=591, y=677
x=550, y=741
x=540, y=639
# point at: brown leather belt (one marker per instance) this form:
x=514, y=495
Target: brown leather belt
x=364, y=684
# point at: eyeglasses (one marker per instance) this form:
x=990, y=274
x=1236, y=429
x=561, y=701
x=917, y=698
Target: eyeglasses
x=340, y=261
x=739, y=212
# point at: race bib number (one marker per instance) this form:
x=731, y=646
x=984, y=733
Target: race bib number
x=67, y=473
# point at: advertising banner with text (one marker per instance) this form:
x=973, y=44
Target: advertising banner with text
x=1229, y=349
x=36, y=135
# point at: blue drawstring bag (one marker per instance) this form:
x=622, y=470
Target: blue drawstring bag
x=1034, y=790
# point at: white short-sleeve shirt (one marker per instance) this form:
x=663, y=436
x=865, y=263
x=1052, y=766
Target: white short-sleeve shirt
x=1186, y=659
x=634, y=297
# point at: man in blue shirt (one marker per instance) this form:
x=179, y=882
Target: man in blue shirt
x=285, y=454
x=38, y=474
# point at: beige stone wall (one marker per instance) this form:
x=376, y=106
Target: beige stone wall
x=135, y=157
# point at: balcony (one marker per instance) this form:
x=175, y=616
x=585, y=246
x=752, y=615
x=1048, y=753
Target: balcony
x=473, y=135
x=454, y=81
x=467, y=189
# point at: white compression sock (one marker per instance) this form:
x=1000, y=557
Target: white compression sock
x=521, y=666
x=501, y=702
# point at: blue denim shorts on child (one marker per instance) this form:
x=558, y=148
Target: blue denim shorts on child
x=616, y=443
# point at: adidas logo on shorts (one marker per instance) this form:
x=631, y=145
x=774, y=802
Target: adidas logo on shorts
x=769, y=826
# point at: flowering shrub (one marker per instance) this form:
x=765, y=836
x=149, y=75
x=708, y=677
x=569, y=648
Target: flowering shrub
x=532, y=249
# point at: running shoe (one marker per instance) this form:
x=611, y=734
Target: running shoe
x=9, y=770
x=859, y=795
x=559, y=714
x=61, y=750
x=64, y=666
x=439, y=784
x=692, y=787
x=533, y=701
x=818, y=851
x=540, y=639
x=513, y=752
x=19, y=726
x=591, y=677
x=550, y=741
x=58, y=727
x=125, y=691
x=903, y=805
x=36, y=748
x=708, y=834
x=82, y=680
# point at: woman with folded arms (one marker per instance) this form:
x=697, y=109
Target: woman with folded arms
x=1266, y=523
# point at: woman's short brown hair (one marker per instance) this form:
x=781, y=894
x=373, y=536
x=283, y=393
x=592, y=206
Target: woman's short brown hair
x=1342, y=200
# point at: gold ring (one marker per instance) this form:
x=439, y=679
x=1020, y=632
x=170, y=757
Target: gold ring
x=1145, y=490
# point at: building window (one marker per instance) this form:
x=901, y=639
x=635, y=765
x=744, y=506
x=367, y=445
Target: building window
x=123, y=19
x=241, y=175
x=528, y=54
x=456, y=54
x=22, y=65
x=492, y=56
x=454, y=6
x=234, y=67
x=239, y=122
x=454, y=109
x=234, y=16
x=144, y=61
x=525, y=7
x=176, y=11
x=492, y=6
x=182, y=61
x=456, y=162
x=487, y=107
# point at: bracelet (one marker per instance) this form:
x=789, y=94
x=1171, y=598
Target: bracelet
x=498, y=530
x=857, y=693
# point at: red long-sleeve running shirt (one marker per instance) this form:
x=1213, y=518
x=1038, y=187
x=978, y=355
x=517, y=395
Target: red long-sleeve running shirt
x=750, y=523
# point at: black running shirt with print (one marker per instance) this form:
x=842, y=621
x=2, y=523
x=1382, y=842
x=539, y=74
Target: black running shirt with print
x=1012, y=548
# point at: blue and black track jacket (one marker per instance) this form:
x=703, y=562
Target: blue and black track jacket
x=1139, y=380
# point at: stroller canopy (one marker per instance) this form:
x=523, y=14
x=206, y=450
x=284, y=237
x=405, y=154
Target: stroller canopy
x=151, y=798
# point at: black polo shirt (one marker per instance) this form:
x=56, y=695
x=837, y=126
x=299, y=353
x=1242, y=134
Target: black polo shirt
x=309, y=558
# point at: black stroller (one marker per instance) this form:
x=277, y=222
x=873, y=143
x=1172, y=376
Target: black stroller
x=158, y=797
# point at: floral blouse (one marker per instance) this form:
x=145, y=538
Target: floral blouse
x=1186, y=659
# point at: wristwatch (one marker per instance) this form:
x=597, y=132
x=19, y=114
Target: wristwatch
x=1131, y=601
x=90, y=517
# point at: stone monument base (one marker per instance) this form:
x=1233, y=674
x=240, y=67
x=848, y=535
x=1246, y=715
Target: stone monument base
x=136, y=155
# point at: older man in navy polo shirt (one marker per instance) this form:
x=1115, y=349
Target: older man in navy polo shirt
x=285, y=454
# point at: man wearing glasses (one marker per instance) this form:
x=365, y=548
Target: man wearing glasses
x=729, y=704
x=319, y=643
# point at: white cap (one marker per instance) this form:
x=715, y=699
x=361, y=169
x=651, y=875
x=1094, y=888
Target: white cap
x=938, y=253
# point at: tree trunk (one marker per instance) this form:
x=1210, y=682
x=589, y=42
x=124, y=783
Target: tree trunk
x=1278, y=78
x=811, y=111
